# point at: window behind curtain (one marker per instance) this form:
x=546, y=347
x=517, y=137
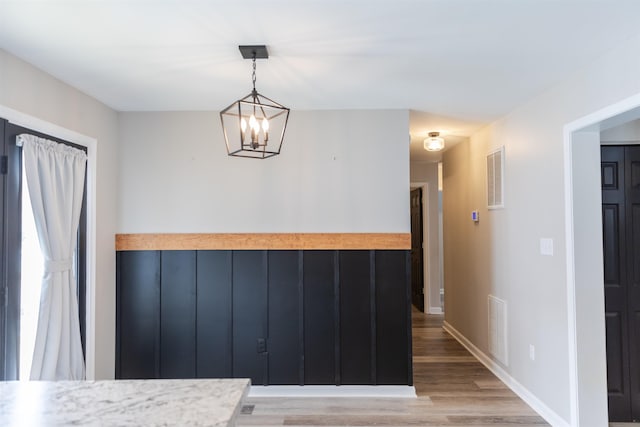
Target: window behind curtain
x=10, y=248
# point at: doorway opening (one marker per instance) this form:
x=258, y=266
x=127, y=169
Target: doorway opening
x=417, y=251
x=584, y=260
x=432, y=239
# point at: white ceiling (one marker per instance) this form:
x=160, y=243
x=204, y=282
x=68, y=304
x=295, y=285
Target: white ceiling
x=456, y=63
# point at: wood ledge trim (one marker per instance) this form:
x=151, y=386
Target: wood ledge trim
x=261, y=241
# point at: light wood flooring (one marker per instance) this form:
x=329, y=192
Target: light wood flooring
x=453, y=389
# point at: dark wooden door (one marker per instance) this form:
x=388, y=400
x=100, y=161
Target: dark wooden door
x=620, y=174
x=615, y=281
x=632, y=168
x=417, y=270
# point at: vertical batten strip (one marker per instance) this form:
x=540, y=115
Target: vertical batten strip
x=231, y=341
x=336, y=316
x=118, y=367
x=158, y=360
x=195, y=315
x=301, y=315
x=230, y=323
x=372, y=316
x=265, y=317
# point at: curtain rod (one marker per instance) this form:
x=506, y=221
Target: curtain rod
x=20, y=142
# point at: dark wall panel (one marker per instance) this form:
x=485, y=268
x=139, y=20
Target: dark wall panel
x=284, y=327
x=178, y=314
x=393, y=319
x=138, y=314
x=355, y=318
x=277, y=317
x=319, y=317
x=249, y=315
x=213, y=321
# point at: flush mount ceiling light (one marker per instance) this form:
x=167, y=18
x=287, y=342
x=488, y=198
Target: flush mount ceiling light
x=254, y=126
x=434, y=143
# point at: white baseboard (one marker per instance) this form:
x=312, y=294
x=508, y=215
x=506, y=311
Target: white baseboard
x=386, y=391
x=536, y=404
x=435, y=310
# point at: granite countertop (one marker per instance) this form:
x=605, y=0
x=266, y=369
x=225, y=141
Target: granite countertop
x=202, y=402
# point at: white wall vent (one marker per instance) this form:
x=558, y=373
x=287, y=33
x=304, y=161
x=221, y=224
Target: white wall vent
x=498, y=329
x=495, y=178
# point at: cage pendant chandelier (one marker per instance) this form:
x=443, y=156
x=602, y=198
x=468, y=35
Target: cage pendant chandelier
x=254, y=126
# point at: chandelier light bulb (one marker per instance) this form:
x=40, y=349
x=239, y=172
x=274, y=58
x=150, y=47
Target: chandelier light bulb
x=255, y=128
x=265, y=129
x=243, y=125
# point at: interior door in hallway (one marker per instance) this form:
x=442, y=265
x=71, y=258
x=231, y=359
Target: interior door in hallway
x=621, y=238
x=417, y=270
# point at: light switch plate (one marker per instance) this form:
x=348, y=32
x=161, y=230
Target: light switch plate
x=532, y=352
x=546, y=246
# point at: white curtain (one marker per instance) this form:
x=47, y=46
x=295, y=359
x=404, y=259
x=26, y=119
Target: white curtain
x=55, y=178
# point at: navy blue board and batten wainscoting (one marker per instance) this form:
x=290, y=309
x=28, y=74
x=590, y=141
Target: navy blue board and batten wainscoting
x=302, y=312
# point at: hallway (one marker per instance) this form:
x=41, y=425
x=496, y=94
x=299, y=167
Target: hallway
x=453, y=389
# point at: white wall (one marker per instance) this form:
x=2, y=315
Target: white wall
x=339, y=171
x=626, y=133
x=27, y=90
x=534, y=286
x=428, y=173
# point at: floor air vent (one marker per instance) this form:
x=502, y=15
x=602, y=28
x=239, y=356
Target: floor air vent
x=498, y=329
x=247, y=409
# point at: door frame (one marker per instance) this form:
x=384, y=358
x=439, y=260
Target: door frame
x=39, y=125
x=426, y=250
x=584, y=260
